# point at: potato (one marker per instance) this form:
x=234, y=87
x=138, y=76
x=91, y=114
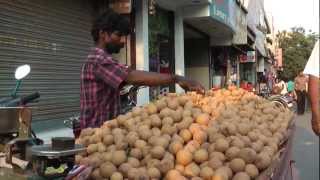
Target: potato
x=218, y=155
x=95, y=161
x=168, y=129
x=201, y=156
x=162, y=141
x=167, y=121
x=101, y=147
x=116, y=176
x=154, y=173
x=107, y=169
x=157, y=152
x=222, y=173
x=173, y=174
x=192, y=146
x=192, y=170
x=184, y=157
x=215, y=163
x=253, y=136
x=243, y=129
x=119, y=157
x=151, y=108
x=166, y=112
x=161, y=104
x=206, y=173
x=177, y=116
x=173, y=104
x=237, y=165
x=108, y=139
x=124, y=168
x=252, y=170
x=145, y=133
x=257, y=146
x=96, y=174
x=134, y=162
x=221, y=145
x=175, y=146
x=178, y=138
x=237, y=143
x=211, y=148
x=92, y=148
x=248, y=155
x=200, y=136
x=87, y=132
x=133, y=173
x=186, y=113
x=232, y=153
x=203, y=119
x=241, y=176
x=262, y=161
x=155, y=120
x=136, y=153
x=146, y=151
x=166, y=165
x=140, y=144
x=136, y=111
x=153, y=163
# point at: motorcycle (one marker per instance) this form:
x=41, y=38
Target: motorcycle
x=286, y=101
x=127, y=102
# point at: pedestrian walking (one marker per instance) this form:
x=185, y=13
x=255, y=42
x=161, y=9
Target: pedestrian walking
x=300, y=84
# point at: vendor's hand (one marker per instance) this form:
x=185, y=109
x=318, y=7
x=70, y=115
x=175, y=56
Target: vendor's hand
x=190, y=85
x=315, y=122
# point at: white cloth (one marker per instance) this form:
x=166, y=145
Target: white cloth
x=284, y=90
x=312, y=67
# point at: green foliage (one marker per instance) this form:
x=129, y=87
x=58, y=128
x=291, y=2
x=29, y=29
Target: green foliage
x=297, y=47
x=158, y=24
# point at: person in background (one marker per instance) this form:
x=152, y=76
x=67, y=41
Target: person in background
x=281, y=85
x=300, y=87
x=312, y=69
x=290, y=89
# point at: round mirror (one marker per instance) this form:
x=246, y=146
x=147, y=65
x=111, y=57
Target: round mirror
x=22, y=71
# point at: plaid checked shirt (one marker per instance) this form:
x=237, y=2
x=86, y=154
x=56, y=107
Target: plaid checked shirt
x=101, y=78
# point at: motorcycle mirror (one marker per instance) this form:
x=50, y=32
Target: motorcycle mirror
x=22, y=71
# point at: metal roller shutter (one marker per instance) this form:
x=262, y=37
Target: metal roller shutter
x=53, y=37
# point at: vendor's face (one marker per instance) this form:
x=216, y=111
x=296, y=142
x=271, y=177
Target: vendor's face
x=115, y=42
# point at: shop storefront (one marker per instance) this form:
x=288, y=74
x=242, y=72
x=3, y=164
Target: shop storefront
x=161, y=47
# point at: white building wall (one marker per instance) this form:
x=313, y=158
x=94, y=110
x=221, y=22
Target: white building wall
x=179, y=46
x=142, y=46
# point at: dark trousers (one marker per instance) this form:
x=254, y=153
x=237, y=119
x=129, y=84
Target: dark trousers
x=301, y=101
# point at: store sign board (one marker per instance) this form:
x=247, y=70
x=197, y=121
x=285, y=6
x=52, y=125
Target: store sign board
x=249, y=57
x=238, y=22
x=220, y=10
x=122, y=6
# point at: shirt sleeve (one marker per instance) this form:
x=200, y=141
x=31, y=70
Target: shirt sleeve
x=312, y=67
x=112, y=73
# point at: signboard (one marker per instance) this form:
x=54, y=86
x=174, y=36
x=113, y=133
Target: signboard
x=249, y=57
x=220, y=10
x=238, y=22
x=122, y=6
x=278, y=57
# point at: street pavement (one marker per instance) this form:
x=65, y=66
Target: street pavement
x=306, y=149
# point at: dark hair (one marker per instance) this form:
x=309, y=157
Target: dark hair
x=110, y=21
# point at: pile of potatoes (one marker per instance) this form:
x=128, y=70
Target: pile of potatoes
x=225, y=134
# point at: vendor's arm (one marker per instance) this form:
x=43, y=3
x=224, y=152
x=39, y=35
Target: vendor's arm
x=314, y=100
x=137, y=77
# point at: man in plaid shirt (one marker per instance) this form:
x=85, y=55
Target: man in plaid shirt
x=102, y=77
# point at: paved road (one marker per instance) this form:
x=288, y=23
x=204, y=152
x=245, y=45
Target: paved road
x=306, y=149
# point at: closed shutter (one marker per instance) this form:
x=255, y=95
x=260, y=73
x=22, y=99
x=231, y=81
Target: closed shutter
x=53, y=37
